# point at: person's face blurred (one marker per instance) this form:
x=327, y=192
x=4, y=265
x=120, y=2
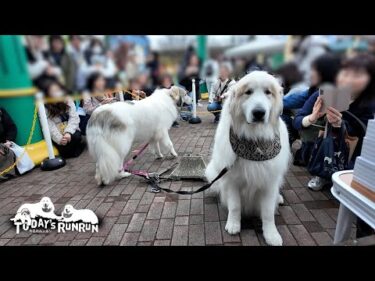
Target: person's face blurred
x=314, y=77
x=55, y=91
x=36, y=42
x=135, y=85
x=356, y=79
x=57, y=45
x=100, y=84
x=142, y=79
x=194, y=60
x=97, y=49
x=151, y=57
x=167, y=82
x=76, y=42
x=224, y=73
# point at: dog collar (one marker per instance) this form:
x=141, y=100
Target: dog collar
x=255, y=150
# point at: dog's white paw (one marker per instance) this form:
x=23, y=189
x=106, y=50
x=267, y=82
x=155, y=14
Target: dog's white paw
x=98, y=180
x=174, y=154
x=233, y=227
x=124, y=174
x=273, y=238
x=280, y=200
x=159, y=157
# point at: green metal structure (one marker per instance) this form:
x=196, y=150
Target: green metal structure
x=202, y=47
x=16, y=91
x=202, y=52
x=17, y=96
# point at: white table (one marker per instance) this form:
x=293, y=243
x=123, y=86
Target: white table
x=352, y=204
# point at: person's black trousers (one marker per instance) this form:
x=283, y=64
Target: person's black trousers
x=74, y=148
x=83, y=123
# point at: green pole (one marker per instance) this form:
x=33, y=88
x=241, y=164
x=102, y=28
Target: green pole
x=16, y=91
x=202, y=47
x=202, y=52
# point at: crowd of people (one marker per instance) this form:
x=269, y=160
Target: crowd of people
x=308, y=124
x=87, y=67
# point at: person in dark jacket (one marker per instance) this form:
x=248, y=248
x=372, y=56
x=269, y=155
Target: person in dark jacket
x=191, y=71
x=153, y=65
x=60, y=58
x=323, y=70
x=8, y=130
x=359, y=74
x=291, y=80
x=8, y=134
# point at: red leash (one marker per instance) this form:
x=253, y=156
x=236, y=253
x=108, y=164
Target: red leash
x=128, y=163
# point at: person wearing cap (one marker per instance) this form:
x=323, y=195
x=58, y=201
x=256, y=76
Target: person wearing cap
x=221, y=86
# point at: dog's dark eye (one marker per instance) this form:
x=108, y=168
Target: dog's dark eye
x=268, y=92
x=249, y=92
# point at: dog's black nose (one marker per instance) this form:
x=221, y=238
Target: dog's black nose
x=258, y=114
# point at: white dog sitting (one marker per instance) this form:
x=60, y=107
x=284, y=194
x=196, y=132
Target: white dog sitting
x=70, y=214
x=252, y=142
x=28, y=211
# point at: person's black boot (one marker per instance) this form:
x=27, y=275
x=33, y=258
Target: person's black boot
x=217, y=118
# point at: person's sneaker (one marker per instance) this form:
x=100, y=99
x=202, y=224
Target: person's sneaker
x=316, y=183
x=296, y=145
x=217, y=119
x=199, y=104
x=175, y=124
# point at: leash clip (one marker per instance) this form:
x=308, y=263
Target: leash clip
x=153, y=183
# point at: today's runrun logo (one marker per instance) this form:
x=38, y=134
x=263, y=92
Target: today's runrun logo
x=40, y=217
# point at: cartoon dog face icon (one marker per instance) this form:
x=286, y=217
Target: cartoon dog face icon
x=68, y=211
x=70, y=214
x=23, y=216
x=47, y=205
x=44, y=208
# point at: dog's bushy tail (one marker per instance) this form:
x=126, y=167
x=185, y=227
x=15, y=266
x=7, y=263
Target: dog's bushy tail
x=103, y=147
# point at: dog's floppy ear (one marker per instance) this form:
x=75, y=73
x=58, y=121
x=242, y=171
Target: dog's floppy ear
x=175, y=92
x=228, y=93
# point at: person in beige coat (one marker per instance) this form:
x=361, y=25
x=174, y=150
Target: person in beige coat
x=220, y=87
x=63, y=121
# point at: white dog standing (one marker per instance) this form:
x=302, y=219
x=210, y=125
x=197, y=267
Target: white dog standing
x=252, y=141
x=113, y=128
x=70, y=214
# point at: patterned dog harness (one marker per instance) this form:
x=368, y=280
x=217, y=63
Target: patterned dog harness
x=255, y=150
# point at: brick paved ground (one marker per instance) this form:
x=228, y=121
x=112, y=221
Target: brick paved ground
x=131, y=215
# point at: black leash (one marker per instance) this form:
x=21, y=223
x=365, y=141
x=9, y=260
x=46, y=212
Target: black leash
x=153, y=180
